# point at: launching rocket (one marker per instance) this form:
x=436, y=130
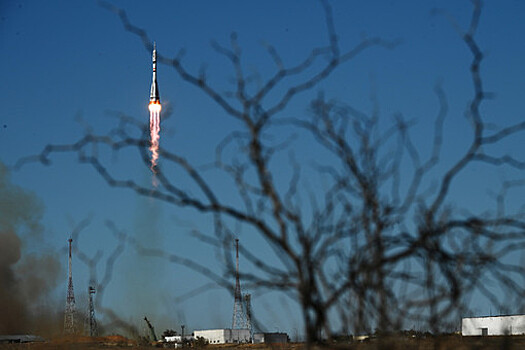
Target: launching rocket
x=154, y=96
x=154, y=116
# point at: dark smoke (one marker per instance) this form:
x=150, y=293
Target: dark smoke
x=26, y=280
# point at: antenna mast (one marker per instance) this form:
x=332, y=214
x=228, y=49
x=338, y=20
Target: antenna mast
x=248, y=304
x=239, y=317
x=92, y=320
x=69, y=316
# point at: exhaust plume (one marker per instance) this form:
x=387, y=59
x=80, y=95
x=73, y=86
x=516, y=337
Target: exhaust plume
x=26, y=280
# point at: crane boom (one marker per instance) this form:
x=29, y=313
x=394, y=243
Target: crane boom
x=151, y=329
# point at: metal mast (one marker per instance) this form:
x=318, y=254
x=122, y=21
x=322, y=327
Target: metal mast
x=92, y=321
x=69, y=317
x=248, y=304
x=239, y=317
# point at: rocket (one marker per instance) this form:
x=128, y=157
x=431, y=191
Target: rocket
x=154, y=96
x=154, y=115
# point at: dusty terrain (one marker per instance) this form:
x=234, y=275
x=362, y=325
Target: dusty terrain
x=445, y=342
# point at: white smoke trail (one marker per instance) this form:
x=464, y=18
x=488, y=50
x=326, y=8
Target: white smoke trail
x=154, y=126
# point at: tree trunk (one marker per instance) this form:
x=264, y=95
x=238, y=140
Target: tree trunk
x=314, y=321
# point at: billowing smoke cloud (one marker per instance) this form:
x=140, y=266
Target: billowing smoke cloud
x=25, y=279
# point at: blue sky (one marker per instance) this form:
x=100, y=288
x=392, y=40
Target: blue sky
x=65, y=61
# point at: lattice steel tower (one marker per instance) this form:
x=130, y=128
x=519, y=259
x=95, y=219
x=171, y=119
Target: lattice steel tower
x=92, y=320
x=239, y=317
x=248, y=305
x=69, y=316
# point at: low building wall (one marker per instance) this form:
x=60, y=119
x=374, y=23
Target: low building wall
x=494, y=325
x=224, y=336
x=270, y=338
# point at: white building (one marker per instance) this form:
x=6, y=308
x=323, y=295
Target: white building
x=225, y=335
x=493, y=325
x=177, y=338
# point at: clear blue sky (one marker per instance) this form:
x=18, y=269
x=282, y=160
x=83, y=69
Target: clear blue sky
x=62, y=61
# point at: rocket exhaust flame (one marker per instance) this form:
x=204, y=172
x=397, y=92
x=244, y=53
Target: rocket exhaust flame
x=154, y=116
x=154, y=129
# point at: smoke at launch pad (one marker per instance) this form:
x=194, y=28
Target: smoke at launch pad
x=26, y=280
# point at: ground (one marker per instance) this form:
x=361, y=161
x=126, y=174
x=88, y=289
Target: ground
x=434, y=343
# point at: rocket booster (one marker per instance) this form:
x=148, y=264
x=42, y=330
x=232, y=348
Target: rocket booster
x=154, y=96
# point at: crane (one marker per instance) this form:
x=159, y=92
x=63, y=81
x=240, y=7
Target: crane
x=151, y=329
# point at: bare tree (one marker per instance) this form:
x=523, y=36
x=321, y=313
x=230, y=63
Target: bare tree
x=372, y=244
